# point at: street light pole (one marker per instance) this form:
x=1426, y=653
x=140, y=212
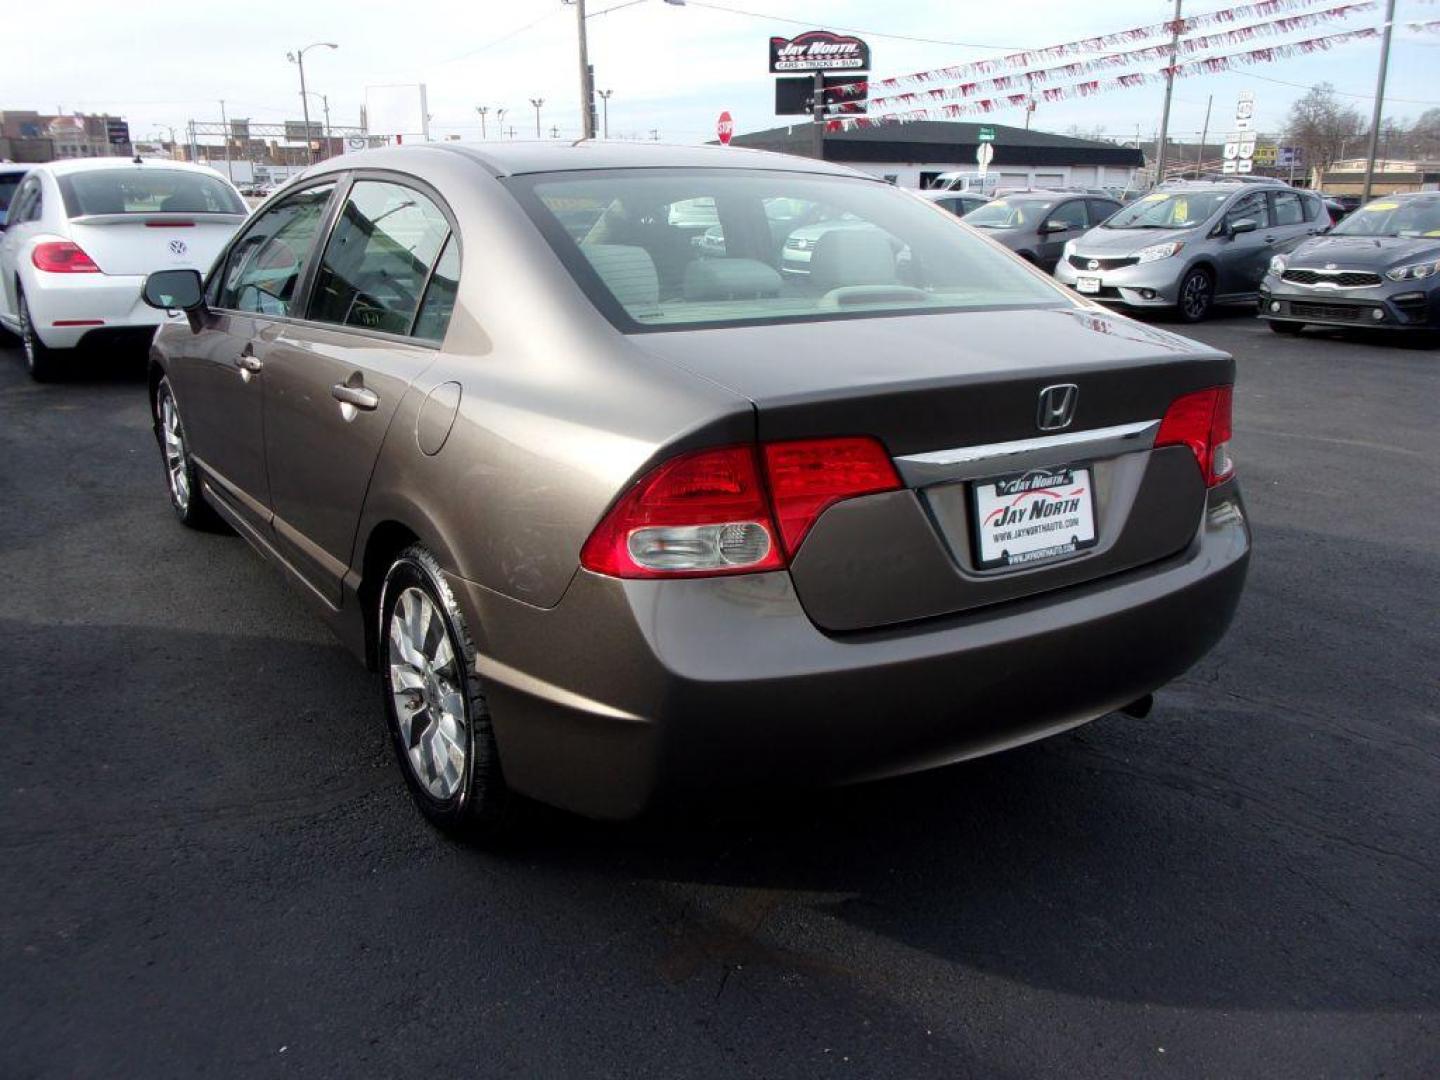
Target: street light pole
x=298, y=58
x=1175, y=28
x=1379, y=100
x=605, y=110
x=537, y=102
x=482, y=110
x=229, y=172
x=500, y=121
x=1204, y=134
x=587, y=118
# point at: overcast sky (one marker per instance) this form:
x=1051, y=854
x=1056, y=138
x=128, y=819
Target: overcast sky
x=671, y=68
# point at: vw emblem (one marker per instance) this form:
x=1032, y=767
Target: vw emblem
x=1093, y=264
x=177, y=247
x=1057, y=406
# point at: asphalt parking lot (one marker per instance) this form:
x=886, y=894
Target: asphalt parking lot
x=211, y=864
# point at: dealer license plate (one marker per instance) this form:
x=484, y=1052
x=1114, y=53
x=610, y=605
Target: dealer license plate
x=1033, y=516
x=1087, y=284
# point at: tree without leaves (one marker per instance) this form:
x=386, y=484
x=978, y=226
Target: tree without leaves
x=1321, y=127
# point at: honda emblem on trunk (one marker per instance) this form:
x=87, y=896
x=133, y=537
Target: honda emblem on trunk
x=1057, y=406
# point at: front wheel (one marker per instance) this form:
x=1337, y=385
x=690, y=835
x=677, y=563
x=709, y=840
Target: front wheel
x=1289, y=329
x=434, y=704
x=41, y=361
x=1197, y=296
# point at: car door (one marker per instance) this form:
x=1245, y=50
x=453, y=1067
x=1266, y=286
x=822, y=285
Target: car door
x=1049, y=245
x=21, y=223
x=1100, y=209
x=1295, y=217
x=332, y=383
x=218, y=375
x=1244, y=256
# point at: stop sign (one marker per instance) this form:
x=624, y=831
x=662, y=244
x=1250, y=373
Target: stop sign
x=725, y=128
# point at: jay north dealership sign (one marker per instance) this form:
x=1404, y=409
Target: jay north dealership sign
x=819, y=50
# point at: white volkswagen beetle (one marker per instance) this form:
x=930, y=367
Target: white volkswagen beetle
x=80, y=237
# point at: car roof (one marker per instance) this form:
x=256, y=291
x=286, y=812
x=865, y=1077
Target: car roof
x=517, y=158
x=942, y=193
x=80, y=165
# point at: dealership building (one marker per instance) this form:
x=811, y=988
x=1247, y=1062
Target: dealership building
x=913, y=154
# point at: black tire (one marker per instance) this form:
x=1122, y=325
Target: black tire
x=43, y=362
x=1196, y=298
x=475, y=802
x=182, y=479
x=1289, y=329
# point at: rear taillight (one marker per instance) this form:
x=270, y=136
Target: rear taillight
x=62, y=257
x=1201, y=421
x=810, y=475
x=709, y=512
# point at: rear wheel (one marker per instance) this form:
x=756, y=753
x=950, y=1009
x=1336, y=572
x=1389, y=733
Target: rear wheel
x=1197, y=296
x=1289, y=329
x=41, y=361
x=434, y=704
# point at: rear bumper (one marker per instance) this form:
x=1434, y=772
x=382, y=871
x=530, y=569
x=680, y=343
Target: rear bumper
x=88, y=303
x=631, y=693
x=1398, y=307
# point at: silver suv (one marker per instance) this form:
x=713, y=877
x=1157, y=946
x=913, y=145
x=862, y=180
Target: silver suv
x=1189, y=245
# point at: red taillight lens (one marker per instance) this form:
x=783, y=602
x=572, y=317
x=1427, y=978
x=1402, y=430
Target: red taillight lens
x=1201, y=421
x=62, y=257
x=707, y=512
x=700, y=513
x=809, y=475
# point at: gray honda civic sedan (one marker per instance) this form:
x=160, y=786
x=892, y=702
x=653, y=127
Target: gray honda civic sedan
x=621, y=518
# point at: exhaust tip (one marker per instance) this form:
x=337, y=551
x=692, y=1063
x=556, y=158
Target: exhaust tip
x=1140, y=707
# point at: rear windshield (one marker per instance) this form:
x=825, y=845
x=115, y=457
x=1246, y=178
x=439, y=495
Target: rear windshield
x=674, y=248
x=144, y=190
x=1394, y=217
x=1168, y=210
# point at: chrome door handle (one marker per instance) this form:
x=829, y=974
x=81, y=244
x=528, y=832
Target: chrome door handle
x=357, y=396
x=248, y=363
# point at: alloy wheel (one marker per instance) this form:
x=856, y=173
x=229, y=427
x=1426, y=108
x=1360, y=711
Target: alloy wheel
x=425, y=688
x=176, y=460
x=1195, y=297
x=27, y=334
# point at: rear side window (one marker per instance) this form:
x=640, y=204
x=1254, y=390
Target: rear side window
x=1100, y=209
x=143, y=190
x=439, y=300
x=378, y=260
x=1289, y=208
x=263, y=269
x=9, y=183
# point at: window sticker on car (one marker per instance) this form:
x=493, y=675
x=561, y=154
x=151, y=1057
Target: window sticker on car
x=1157, y=197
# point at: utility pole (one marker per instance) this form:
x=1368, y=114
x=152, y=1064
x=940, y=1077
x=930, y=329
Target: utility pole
x=587, y=99
x=194, y=146
x=655, y=134
x=482, y=110
x=1204, y=134
x=229, y=172
x=325, y=104
x=1175, y=27
x=537, y=102
x=298, y=58
x=500, y=120
x=554, y=132
x=1379, y=100
x=818, y=105
x=605, y=107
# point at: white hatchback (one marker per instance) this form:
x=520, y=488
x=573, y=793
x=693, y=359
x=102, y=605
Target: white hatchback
x=80, y=237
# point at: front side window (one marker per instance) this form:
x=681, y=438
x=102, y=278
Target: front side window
x=794, y=246
x=1071, y=214
x=1251, y=207
x=378, y=259
x=263, y=269
x=146, y=190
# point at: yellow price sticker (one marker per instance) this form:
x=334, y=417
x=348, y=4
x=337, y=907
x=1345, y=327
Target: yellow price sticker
x=1383, y=206
x=1154, y=198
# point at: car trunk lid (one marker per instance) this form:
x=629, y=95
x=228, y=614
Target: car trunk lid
x=956, y=400
x=139, y=243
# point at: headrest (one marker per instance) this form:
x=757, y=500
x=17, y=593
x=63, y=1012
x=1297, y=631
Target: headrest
x=627, y=271
x=729, y=279
x=852, y=257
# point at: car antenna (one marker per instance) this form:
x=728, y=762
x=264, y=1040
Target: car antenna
x=138, y=159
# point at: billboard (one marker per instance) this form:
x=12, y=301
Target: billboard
x=844, y=94
x=117, y=132
x=819, y=50
x=295, y=131
x=397, y=110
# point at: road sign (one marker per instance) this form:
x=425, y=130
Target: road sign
x=1229, y=166
x=985, y=153
x=987, y=134
x=1266, y=155
x=1245, y=145
x=725, y=128
x=1244, y=165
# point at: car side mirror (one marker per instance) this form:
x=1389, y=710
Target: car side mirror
x=176, y=290
x=1244, y=225
x=1054, y=226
